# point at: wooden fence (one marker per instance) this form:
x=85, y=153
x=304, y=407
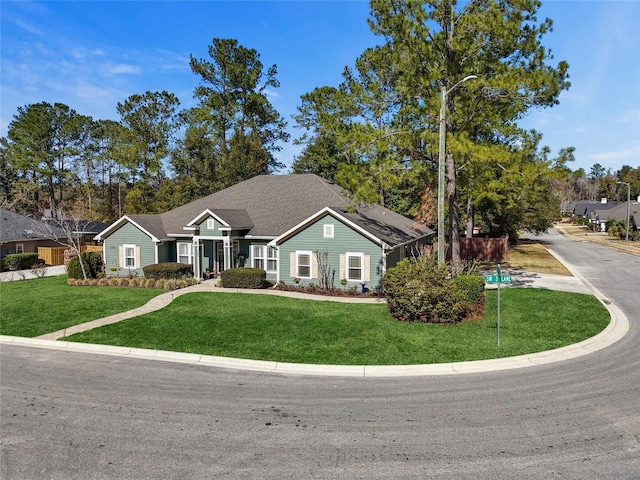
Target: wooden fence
x=484, y=249
x=55, y=255
x=481, y=249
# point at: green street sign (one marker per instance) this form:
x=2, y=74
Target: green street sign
x=498, y=278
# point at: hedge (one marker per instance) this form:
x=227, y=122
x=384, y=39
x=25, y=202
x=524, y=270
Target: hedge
x=168, y=270
x=243, y=278
x=19, y=261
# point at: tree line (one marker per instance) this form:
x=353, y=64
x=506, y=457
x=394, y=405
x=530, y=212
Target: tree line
x=157, y=156
x=376, y=133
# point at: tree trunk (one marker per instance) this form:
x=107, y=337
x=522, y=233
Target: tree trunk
x=454, y=212
x=469, y=217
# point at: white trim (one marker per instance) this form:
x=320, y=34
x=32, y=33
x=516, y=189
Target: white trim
x=328, y=230
x=21, y=245
x=211, y=223
x=207, y=212
x=360, y=255
x=189, y=254
x=322, y=213
x=125, y=256
x=310, y=254
x=260, y=237
x=274, y=258
x=260, y=249
x=118, y=223
x=264, y=250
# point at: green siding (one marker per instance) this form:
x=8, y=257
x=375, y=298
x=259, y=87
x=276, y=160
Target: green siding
x=127, y=234
x=207, y=232
x=345, y=239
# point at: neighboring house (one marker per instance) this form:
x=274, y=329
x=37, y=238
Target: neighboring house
x=594, y=210
x=619, y=212
x=22, y=234
x=272, y=222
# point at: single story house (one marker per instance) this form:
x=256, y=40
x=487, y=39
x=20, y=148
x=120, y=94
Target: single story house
x=272, y=222
x=619, y=212
x=22, y=234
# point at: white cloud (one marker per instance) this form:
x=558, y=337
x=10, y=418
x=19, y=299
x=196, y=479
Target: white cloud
x=629, y=154
x=87, y=90
x=123, y=68
x=86, y=54
x=28, y=27
x=631, y=115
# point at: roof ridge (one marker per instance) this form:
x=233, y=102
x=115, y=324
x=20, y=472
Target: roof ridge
x=327, y=185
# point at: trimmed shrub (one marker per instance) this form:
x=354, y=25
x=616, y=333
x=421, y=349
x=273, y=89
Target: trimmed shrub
x=471, y=285
x=92, y=262
x=472, y=288
x=19, y=261
x=420, y=290
x=243, y=278
x=168, y=270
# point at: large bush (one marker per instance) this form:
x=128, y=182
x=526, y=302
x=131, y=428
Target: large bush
x=92, y=262
x=472, y=288
x=243, y=278
x=420, y=290
x=168, y=270
x=19, y=261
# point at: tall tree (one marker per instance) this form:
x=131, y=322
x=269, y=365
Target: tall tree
x=437, y=43
x=42, y=142
x=234, y=114
x=356, y=134
x=151, y=120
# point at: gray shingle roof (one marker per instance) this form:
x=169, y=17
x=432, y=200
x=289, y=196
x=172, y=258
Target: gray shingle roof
x=619, y=212
x=270, y=205
x=15, y=227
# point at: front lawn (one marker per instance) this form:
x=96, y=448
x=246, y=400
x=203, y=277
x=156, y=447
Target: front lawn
x=29, y=308
x=284, y=329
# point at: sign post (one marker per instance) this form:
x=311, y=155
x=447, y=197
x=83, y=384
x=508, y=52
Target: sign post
x=499, y=278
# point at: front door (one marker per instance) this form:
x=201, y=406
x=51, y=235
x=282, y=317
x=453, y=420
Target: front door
x=219, y=260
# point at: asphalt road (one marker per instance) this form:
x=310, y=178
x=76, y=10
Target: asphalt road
x=78, y=416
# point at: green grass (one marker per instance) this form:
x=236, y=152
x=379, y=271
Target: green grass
x=29, y=308
x=304, y=331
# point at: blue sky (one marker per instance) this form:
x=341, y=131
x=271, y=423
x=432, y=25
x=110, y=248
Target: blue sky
x=92, y=55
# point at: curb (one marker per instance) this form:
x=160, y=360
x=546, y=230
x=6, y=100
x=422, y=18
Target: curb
x=617, y=328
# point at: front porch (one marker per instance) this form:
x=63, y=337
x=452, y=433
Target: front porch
x=212, y=256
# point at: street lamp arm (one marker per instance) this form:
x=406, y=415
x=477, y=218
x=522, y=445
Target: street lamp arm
x=468, y=77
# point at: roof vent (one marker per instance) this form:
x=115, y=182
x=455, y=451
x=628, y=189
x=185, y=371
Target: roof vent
x=28, y=233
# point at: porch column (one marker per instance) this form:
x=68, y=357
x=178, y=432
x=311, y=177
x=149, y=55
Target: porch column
x=197, y=270
x=227, y=252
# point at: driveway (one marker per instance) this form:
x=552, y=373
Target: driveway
x=77, y=416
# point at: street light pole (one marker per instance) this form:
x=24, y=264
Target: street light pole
x=441, y=153
x=628, y=184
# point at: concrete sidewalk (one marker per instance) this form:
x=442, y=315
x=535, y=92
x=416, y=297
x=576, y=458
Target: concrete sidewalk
x=617, y=328
x=13, y=276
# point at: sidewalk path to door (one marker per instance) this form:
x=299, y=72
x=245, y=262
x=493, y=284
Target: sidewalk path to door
x=28, y=274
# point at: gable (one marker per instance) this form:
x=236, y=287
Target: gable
x=330, y=232
x=376, y=223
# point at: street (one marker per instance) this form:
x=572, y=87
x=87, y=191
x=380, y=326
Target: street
x=80, y=416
